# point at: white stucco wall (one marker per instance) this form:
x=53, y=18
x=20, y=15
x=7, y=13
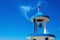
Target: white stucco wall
x=41, y=38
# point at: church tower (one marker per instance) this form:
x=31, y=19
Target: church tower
x=40, y=19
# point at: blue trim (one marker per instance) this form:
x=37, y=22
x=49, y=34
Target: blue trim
x=50, y=35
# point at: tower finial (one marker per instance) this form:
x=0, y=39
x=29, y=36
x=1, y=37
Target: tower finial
x=38, y=7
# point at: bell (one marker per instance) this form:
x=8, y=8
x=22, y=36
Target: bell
x=40, y=25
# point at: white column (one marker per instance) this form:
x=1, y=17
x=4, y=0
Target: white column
x=44, y=27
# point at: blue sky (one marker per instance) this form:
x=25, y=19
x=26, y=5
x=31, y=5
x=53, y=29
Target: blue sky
x=14, y=24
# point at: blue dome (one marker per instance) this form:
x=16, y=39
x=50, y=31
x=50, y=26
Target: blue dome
x=37, y=14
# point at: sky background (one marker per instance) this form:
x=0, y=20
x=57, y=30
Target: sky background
x=15, y=22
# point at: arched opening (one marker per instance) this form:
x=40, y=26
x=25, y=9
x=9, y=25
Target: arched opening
x=46, y=39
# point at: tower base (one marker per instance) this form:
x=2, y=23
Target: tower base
x=42, y=37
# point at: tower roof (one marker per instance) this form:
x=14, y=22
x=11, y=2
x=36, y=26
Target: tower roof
x=37, y=14
x=40, y=15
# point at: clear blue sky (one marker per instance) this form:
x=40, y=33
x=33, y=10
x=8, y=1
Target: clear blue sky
x=15, y=26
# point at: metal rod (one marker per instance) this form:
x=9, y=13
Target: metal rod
x=38, y=7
